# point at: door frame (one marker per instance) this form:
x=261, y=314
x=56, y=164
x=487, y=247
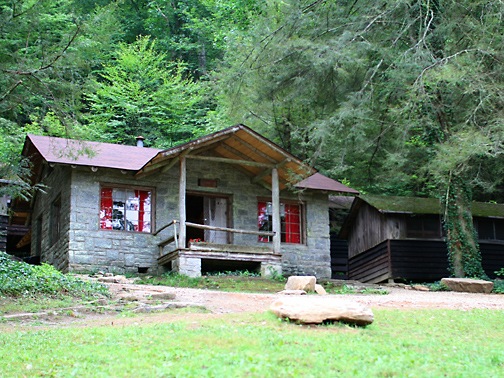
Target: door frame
x=229, y=209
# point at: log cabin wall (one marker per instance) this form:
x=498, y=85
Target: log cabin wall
x=372, y=227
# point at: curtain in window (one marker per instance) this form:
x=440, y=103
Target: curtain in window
x=106, y=209
x=263, y=221
x=292, y=224
x=143, y=211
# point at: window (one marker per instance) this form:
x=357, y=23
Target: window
x=55, y=220
x=423, y=226
x=290, y=221
x=490, y=229
x=125, y=209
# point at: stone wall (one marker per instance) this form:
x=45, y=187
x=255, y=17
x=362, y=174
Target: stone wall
x=57, y=182
x=90, y=248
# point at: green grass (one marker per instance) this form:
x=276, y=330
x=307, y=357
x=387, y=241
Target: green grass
x=234, y=283
x=230, y=281
x=416, y=343
x=10, y=305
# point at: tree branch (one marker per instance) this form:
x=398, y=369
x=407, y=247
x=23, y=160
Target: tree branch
x=51, y=63
x=17, y=84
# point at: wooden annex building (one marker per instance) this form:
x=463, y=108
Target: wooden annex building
x=401, y=238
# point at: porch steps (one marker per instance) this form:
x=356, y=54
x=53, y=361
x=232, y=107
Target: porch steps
x=204, y=250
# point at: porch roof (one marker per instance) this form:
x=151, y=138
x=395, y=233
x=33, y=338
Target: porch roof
x=251, y=153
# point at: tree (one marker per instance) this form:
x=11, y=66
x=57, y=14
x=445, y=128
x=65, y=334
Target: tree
x=400, y=97
x=138, y=93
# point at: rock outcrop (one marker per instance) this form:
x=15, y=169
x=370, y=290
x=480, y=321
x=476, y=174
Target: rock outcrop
x=319, y=309
x=468, y=285
x=306, y=283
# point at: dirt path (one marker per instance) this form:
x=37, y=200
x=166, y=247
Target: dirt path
x=218, y=303
x=400, y=298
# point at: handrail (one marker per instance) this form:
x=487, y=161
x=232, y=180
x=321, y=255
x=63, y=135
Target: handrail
x=204, y=227
x=165, y=226
x=226, y=229
x=175, y=236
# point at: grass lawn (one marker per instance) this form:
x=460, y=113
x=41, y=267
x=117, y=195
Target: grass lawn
x=411, y=343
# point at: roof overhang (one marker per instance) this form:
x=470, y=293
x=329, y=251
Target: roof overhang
x=238, y=145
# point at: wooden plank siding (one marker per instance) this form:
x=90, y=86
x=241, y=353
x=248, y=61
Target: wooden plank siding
x=339, y=257
x=415, y=260
x=372, y=265
x=4, y=221
x=492, y=257
x=418, y=260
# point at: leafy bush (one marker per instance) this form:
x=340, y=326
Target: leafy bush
x=500, y=272
x=21, y=279
x=498, y=287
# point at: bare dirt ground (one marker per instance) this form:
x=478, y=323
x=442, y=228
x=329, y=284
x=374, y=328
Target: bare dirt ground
x=399, y=298
x=154, y=308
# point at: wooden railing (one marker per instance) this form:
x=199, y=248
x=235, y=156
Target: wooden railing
x=174, y=237
x=171, y=239
x=226, y=229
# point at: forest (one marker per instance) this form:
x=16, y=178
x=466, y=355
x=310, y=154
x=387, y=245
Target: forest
x=391, y=97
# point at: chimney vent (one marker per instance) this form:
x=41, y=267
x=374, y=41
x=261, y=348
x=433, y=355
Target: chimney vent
x=140, y=141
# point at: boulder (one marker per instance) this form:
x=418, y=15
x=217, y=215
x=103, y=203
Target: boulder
x=316, y=310
x=306, y=283
x=468, y=285
x=319, y=289
x=292, y=292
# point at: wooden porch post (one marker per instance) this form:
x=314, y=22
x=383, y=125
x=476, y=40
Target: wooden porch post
x=275, y=201
x=182, y=202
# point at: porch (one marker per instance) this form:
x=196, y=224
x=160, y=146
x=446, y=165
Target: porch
x=190, y=258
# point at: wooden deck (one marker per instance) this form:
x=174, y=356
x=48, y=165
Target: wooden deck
x=235, y=252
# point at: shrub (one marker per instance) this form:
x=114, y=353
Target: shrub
x=21, y=279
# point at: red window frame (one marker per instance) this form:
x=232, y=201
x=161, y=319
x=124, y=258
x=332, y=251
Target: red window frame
x=125, y=209
x=291, y=221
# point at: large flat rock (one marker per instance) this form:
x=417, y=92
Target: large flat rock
x=306, y=283
x=468, y=285
x=316, y=310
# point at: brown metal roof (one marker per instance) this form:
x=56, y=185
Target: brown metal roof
x=320, y=182
x=247, y=150
x=94, y=154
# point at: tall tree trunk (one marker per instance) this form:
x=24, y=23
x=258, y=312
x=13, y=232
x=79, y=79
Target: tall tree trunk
x=463, y=249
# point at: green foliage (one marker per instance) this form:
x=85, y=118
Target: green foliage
x=498, y=287
x=437, y=286
x=139, y=93
x=21, y=279
x=392, y=95
x=464, y=256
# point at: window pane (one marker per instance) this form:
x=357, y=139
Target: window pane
x=264, y=220
x=125, y=209
x=499, y=229
x=106, y=209
x=485, y=229
x=290, y=221
x=292, y=224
